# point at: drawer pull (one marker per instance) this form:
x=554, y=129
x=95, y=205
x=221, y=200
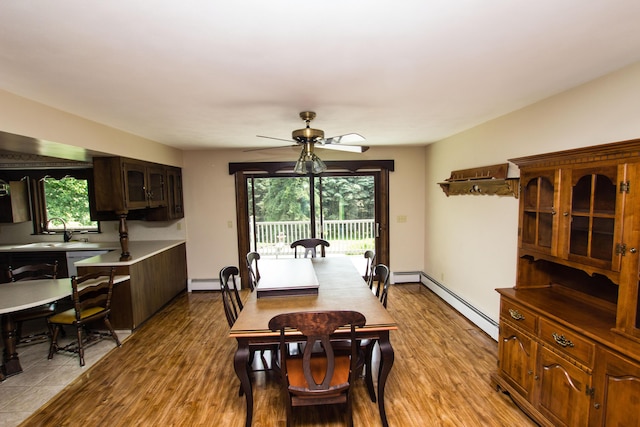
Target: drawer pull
x=516, y=314
x=562, y=340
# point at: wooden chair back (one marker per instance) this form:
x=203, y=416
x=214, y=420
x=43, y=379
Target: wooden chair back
x=92, y=299
x=320, y=376
x=230, y=294
x=370, y=257
x=252, y=266
x=380, y=280
x=33, y=272
x=309, y=246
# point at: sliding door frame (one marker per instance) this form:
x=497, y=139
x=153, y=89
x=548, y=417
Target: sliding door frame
x=244, y=171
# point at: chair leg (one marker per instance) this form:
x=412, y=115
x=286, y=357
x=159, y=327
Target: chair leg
x=53, y=348
x=107, y=323
x=80, y=347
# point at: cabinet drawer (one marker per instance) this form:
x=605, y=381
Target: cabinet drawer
x=567, y=341
x=518, y=315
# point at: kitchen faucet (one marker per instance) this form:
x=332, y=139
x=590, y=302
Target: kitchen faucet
x=67, y=234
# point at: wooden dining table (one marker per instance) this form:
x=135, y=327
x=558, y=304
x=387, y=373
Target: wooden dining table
x=16, y=296
x=340, y=287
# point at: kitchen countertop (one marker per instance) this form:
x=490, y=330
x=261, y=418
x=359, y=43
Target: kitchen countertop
x=59, y=246
x=139, y=250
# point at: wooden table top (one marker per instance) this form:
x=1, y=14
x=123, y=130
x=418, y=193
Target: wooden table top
x=16, y=296
x=341, y=287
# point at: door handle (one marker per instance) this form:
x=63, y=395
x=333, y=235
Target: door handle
x=377, y=229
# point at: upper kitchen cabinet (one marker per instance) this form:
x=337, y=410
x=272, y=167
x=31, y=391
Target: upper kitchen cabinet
x=122, y=185
x=14, y=202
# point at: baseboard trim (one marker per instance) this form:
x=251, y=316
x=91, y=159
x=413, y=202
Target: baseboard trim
x=475, y=316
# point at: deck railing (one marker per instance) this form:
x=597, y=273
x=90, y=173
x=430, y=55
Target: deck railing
x=350, y=237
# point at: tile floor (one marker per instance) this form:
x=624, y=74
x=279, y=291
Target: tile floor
x=41, y=379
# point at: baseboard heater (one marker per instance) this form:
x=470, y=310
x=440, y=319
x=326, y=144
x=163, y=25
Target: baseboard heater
x=203, y=285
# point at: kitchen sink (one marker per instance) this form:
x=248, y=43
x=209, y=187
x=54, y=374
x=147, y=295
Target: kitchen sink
x=52, y=245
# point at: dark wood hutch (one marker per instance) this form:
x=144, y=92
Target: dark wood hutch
x=569, y=343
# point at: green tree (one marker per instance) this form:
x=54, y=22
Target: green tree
x=68, y=199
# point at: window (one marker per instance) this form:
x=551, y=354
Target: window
x=66, y=205
x=60, y=200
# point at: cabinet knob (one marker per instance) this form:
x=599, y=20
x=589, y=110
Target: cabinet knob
x=565, y=213
x=633, y=250
x=529, y=372
x=596, y=405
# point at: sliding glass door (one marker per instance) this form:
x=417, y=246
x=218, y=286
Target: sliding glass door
x=338, y=208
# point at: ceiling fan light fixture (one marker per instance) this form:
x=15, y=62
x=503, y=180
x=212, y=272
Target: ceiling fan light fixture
x=309, y=159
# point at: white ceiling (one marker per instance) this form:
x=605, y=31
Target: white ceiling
x=208, y=73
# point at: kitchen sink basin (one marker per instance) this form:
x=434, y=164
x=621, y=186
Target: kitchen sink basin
x=52, y=245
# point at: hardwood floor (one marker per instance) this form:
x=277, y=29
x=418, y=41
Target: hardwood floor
x=177, y=370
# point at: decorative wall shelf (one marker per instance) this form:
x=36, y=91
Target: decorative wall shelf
x=485, y=180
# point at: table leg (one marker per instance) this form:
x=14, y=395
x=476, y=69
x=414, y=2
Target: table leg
x=11, y=365
x=241, y=364
x=386, y=362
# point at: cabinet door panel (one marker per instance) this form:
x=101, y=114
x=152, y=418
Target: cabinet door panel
x=516, y=355
x=538, y=219
x=135, y=185
x=617, y=392
x=593, y=216
x=562, y=390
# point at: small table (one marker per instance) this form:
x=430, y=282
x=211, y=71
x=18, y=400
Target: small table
x=16, y=296
x=341, y=287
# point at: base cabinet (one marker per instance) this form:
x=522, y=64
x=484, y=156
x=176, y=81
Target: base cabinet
x=154, y=281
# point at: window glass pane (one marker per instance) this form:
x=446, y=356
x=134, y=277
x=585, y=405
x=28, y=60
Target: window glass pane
x=68, y=198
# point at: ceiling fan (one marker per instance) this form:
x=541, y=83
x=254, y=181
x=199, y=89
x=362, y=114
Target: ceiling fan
x=309, y=137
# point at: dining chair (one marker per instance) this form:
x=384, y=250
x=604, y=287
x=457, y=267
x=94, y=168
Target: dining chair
x=252, y=266
x=33, y=272
x=309, y=246
x=380, y=282
x=232, y=303
x=321, y=376
x=370, y=257
x=91, y=296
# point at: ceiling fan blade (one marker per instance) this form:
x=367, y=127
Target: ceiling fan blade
x=350, y=148
x=277, y=139
x=348, y=138
x=269, y=148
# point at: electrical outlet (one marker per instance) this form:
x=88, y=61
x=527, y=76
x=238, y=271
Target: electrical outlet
x=401, y=218
x=179, y=225
x=230, y=224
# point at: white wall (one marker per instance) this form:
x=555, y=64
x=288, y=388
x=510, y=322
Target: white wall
x=210, y=204
x=471, y=241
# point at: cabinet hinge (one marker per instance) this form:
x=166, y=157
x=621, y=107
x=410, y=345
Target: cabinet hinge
x=590, y=391
x=625, y=186
x=621, y=249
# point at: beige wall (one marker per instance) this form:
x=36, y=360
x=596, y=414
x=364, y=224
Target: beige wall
x=28, y=118
x=210, y=204
x=471, y=241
